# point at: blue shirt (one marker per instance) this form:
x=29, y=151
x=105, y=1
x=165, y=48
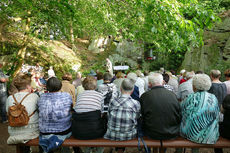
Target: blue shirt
x=54, y=112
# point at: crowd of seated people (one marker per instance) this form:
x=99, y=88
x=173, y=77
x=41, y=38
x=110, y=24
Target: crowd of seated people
x=193, y=105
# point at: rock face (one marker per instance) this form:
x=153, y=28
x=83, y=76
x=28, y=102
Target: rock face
x=215, y=54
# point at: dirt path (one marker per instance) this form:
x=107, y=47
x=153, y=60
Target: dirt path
x=4, y=148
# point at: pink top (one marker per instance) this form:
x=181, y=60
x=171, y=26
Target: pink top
x=228, y=86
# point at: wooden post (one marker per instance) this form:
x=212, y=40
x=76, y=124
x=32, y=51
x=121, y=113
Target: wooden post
x=19, y=149
x=162, y=150
x=155, y=150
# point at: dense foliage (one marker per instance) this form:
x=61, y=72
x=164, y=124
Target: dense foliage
x=172, y=26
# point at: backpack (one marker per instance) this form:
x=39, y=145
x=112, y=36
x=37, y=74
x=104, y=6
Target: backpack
x=17, y=114
x=108, y=95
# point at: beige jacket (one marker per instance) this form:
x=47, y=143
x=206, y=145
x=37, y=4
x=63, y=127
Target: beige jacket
x=68, y=87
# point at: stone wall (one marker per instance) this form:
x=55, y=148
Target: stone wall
x=215, y=54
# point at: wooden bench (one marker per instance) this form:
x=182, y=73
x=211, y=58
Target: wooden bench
x=176, y=143
x=184, y=143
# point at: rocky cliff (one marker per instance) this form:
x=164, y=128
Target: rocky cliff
x=215, y=54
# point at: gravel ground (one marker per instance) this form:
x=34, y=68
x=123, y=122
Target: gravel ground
x=4, y=148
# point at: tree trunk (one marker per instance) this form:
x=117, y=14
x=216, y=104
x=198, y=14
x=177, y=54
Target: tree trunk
x=72, y=36
x=22, y=52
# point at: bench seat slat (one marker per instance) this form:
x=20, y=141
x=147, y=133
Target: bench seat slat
x=176, y=143
x=184, y=143
x=101, y=142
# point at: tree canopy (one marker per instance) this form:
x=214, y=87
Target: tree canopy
x=172, y=26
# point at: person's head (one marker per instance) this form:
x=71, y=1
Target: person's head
x=165, y=78
x=42, y=74
x=156, y=79
x=162, y=70
x=169, y=73
x=119, y=75
x=138, y=73
x=127, y=86
x=53, y=84
x=215, y=74
x=190, y=75
x=173, y=72
x=78, y=75
x=51, y=67
x=146, y=73
x=31, y=71
x=67, y=76
x=100, y=76
x=22, y=82
x=201, y=82
x=92, y=73
x=89, y=83
x=107, y=77
x=182, y=72
x=227, y=74
x=132, y=76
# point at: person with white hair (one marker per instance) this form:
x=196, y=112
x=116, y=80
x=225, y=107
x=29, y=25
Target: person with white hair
x=123, y=114
x=182, y=72
x=160, y=110
x=136, y=92
x=200, y=113
x=185, y=88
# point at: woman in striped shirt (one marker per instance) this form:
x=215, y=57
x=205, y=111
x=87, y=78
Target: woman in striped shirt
x=87, y=121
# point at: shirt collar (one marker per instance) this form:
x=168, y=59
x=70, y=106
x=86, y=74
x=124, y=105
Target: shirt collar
x=155, y=87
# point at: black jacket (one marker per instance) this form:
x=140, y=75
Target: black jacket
x=225, y=125
x=161, y=113
x=219, y=90
x=88, y=125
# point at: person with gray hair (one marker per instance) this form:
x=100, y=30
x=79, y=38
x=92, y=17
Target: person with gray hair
x=127, y=86
x=155, y=79
x=160, y=110
x=123, y=114
x=200, y=111
x=185, y=88
x=136, y=92
x=218, y=88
